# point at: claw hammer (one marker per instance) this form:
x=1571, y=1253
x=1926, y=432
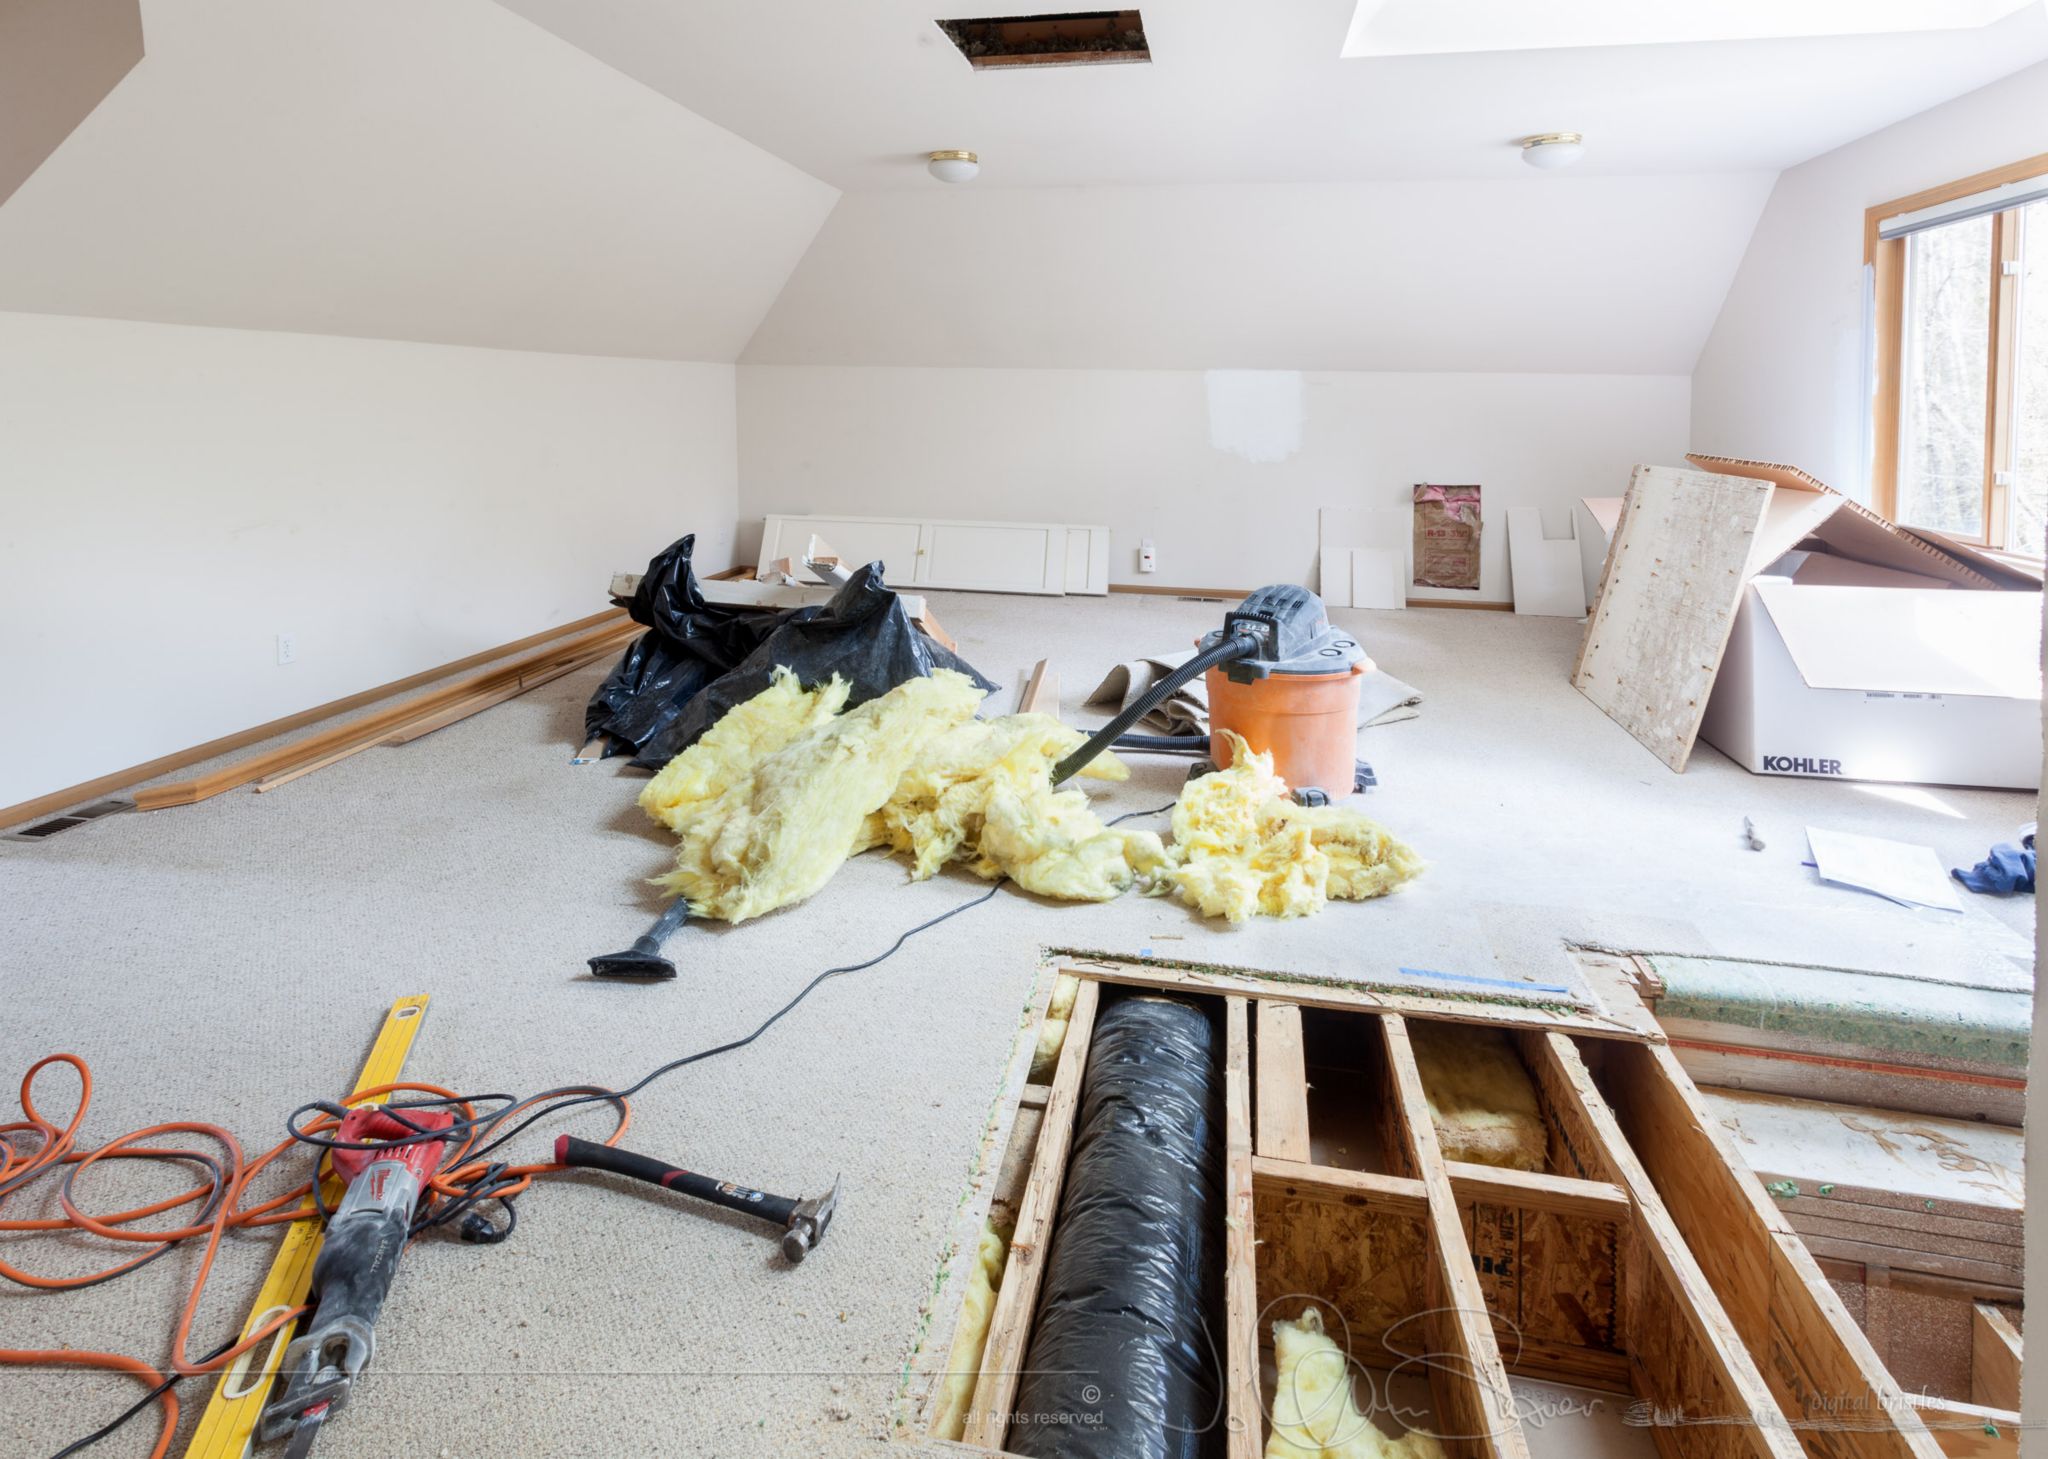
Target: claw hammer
x=803, y=1222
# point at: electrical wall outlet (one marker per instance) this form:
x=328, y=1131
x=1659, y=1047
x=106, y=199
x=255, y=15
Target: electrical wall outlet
x=287, y=648
x=1148, y=561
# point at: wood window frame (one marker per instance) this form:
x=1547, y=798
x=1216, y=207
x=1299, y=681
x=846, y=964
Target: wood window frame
x=1886, y=258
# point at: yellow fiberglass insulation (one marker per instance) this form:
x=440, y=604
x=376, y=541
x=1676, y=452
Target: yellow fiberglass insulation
x=776, y=828
x=726, y=751
x=981, y=795
x=1052, y=1029
x=1481, y=1100
x=970, y=1336
x=1241, y=848
x=1315, y=1415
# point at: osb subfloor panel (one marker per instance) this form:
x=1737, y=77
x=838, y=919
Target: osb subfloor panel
x=227, y=961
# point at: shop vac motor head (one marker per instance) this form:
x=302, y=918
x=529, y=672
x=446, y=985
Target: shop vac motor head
x=1295, y=696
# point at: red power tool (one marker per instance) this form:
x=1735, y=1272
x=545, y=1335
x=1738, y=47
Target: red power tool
x=365, y=1238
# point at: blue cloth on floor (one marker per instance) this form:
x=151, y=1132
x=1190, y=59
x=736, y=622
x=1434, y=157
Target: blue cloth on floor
x=2010, y=869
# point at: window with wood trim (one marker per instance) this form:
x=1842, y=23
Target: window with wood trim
x=1960, y=277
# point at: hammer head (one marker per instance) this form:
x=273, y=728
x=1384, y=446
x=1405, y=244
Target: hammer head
x=631, y=963
x=808, y=1223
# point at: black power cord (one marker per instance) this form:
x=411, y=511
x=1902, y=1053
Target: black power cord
x=78, y=1446
x=475, y=1227
x=556, y=1101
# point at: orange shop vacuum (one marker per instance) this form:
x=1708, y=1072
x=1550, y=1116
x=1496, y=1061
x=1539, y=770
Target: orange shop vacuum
x=1279, y=675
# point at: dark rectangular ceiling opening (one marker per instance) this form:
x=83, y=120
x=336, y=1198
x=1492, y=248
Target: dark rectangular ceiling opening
x=1076, y=38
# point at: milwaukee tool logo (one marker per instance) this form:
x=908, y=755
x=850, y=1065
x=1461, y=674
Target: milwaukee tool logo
x=1801, y=765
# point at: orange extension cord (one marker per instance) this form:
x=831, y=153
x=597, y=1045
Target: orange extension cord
x=58, y=1148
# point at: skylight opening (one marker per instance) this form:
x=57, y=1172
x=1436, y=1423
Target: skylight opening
x=1436, y=27
x=1076, y=38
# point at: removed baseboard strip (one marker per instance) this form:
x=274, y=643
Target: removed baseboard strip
x=427, y=723
x=1041, y=690
x=71, y=795
x=1235, y=594
x=372, y=728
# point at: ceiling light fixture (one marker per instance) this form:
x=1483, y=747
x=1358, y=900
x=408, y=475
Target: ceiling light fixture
x=1553, y=150
x=953, y=166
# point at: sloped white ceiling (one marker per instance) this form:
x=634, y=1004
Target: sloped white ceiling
x=1539, y=273
x=857, y=91
x=441, y=171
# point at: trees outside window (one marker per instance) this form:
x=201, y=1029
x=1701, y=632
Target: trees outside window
x=1961, y=441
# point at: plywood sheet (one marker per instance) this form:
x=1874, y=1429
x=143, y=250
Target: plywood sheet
x=1961, y=1166
x=1667, y=601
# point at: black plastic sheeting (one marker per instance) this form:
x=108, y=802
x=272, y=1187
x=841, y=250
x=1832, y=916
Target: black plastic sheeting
x=697, y=659
x=1124, y=1362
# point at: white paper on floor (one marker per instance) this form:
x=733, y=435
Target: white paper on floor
x=1897, y=870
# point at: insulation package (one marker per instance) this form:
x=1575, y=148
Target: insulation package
x=1482, y=1102
x=1125, y=1358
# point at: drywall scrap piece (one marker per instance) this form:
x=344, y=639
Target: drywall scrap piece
x=1545, y=570
x=1481, y=1099
x=1379, y=578
x=1364, y=556
x=1667, y=599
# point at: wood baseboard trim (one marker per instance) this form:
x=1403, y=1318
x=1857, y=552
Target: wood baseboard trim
x=58, y=800
x=1234, y=594
x=1150, y=590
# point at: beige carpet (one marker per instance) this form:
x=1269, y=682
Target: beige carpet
x=227, y=961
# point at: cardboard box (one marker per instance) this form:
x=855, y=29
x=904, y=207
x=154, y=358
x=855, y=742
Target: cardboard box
x=1919, y=685
x=1802, y=634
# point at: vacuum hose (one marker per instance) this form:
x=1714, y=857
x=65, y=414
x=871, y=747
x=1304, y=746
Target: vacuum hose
x=1236, y=647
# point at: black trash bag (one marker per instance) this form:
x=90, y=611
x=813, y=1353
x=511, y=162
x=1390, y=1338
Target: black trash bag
x=1125, y=1360
x=692, y=642
x=864, y=635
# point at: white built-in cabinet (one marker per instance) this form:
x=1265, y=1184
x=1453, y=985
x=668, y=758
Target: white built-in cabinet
x=924, y=552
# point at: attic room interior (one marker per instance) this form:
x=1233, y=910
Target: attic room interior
x=1183, y=732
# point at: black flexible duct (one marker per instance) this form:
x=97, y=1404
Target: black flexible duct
x=1240, y=646
x=1123, y=1361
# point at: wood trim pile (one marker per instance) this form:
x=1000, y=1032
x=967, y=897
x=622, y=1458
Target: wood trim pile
x=1644, y=1260
x=72, y=795
x=287, y=762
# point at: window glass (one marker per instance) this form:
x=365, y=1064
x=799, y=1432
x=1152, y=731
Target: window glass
x=2028, y=512
x=1945, y=359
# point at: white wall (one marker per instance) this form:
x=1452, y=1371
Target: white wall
x=1169, y=454
x=1785, y=372
x=1535, y=273
x=172, y=498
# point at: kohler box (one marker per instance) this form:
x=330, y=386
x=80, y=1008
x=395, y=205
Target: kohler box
x=1938, y=687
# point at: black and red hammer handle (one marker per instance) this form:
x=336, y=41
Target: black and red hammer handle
x=775, y=1210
